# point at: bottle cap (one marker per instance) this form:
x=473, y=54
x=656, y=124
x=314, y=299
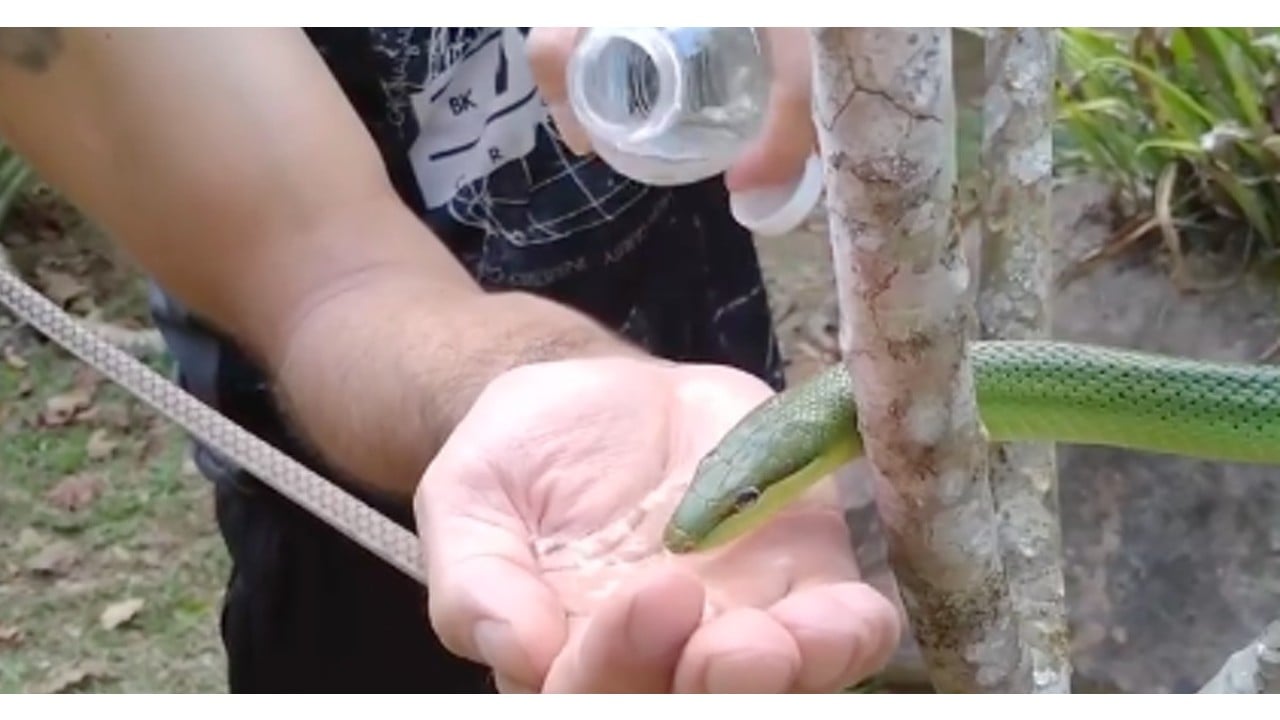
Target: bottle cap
x=779, y=210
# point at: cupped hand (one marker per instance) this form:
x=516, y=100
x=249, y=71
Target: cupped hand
x=786, y=140
x=540, y=522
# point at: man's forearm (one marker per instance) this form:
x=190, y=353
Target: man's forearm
x=377, y=378
x=231, y=167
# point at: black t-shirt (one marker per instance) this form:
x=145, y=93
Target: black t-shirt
x=470, y=147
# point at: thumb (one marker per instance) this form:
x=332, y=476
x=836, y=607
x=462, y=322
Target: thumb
x=787, y=137
x=486, y=597
x=548, y=50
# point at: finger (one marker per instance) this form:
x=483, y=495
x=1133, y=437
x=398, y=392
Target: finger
x=634, y=642
x=804, y=545
x=746, y=650
x=548, y=50
x=507, y=686
x=845, y=632
x=486, y=598
x=787, y=137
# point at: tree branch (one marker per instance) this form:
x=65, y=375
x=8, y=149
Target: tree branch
x=886, y=116
x=1014, y=303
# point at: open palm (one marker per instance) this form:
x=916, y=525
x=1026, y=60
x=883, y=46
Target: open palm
x=541, y=521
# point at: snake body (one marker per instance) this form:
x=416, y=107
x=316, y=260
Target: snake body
x=1026, y=391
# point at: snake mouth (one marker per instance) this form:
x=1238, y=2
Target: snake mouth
x=677, y=541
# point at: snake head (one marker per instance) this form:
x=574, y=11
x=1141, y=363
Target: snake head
x=699, y=522
x=775, y=452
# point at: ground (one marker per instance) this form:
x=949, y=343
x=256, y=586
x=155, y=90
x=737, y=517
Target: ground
x=110, y=566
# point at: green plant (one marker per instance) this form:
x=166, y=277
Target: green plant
x=1185, y=124
x=14, y=175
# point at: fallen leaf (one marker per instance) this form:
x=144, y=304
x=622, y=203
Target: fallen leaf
x=10, y=636
x=100, y=446
x=25, y=387
x=13, y=359
x=72, y=404
x=86, y=377
x=75, y=492
x=64, y=407
x=55, y=559
x=119, y=613
x=154, y=439
x=60, y=287
x=74, y=677
x=29, y=539
x=111, y=414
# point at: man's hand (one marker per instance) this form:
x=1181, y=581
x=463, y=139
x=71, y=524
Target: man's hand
x=788, y=136
x=540, y=522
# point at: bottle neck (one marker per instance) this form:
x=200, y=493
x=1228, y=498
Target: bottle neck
x=626, y=84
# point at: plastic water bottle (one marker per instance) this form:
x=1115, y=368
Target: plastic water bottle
x=671, y=106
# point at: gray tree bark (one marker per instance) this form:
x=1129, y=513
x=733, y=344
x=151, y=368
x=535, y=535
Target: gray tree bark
x=886, y=124
x=1253, y=669
x=1014, y=303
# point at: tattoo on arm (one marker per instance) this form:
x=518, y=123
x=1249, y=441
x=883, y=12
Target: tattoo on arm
x=32, y=49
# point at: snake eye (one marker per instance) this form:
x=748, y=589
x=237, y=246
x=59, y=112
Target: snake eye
x=746, y=498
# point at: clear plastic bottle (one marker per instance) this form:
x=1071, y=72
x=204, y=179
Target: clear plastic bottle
x=671, y=106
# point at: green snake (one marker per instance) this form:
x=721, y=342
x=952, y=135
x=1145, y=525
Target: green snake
x=1026, y=391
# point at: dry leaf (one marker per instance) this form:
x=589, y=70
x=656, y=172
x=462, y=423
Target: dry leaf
x=119, y=613
x=63, y=408
x=75, y=492
x=100, y=446
x=74, y=677
x=29, y=539
x=111, y=414
x=55, y=559
x=10, y=636
x=86, y=377
x=13, y=359
x=59, y=286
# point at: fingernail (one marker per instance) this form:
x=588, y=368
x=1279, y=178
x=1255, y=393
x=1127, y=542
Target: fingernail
x=488, y=636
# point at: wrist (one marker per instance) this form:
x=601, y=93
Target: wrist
x=542, y=330
x=377, y=377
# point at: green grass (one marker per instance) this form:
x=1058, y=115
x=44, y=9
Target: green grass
x=14, y=178
x=149, y=535
x=1184, y=123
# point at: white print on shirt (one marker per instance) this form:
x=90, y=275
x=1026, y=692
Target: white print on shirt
x=481, y=123
x=481, y=113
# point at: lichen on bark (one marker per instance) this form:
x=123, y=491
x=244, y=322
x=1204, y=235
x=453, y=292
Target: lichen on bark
x=1014, y=303
x=886, y=121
